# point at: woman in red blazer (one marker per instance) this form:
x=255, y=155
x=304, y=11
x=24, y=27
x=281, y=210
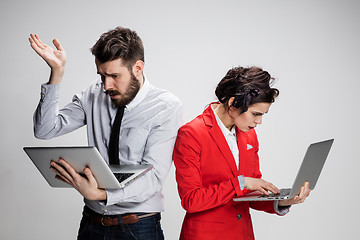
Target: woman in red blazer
x=216, y=159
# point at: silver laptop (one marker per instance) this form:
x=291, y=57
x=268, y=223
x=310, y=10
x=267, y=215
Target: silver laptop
x=309, y=171
x=107, y=177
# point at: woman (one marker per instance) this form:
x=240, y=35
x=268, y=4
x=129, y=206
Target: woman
x=216, y=159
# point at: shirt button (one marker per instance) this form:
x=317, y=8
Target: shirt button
x=239, y=216
x=105, y=210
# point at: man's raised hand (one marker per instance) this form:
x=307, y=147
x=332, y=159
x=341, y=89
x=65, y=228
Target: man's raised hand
x=55, y=58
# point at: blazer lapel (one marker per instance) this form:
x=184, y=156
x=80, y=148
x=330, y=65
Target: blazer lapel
x=242, y=144
x=219, y=138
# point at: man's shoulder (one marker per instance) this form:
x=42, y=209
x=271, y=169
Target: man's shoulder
x=94, y=91
x=95, y=86
x=162, y=96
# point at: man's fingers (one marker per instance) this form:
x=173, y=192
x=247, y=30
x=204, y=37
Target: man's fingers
x=57, y=45
x=37, y=45
x=34, y=45
x=61, y=170
x=68, y=168
x=35, y=38
x=89, y=175
x=61, y=178
x=38, y=41
x=74, y=178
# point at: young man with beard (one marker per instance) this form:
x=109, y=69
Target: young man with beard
x=151, y=118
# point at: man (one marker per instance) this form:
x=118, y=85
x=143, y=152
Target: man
x=151, y=118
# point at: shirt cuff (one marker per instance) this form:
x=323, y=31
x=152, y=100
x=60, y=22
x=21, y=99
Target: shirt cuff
x=281, y=210
x=112, y=197
x=50, y=90
x=241, y=179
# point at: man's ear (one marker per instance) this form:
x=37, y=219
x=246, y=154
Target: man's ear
x=138, y=68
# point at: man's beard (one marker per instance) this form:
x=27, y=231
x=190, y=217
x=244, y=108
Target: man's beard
x=130, y=92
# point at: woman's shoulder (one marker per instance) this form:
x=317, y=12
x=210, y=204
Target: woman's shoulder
x=196, y=123
x=194, y=127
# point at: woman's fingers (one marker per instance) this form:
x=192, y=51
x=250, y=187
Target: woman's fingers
x=260, y=185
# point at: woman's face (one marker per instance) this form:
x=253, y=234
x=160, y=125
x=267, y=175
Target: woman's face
x=251, y=118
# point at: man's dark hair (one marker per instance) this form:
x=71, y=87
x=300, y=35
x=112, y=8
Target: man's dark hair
x=248, y=86
x=118, y=43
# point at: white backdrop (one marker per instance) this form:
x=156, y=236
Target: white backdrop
x=311, y=47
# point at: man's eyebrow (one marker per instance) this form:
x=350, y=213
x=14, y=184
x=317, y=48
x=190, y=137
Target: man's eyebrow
x=107, y=74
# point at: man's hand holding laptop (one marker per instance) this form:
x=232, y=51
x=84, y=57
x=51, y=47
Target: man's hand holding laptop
x=85, y=185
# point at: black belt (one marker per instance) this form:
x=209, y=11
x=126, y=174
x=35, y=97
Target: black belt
x=113, y=220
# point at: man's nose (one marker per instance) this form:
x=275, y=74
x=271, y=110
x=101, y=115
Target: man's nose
x=107, y=83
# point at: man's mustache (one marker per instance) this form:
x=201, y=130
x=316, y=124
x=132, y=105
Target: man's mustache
x=112, y=92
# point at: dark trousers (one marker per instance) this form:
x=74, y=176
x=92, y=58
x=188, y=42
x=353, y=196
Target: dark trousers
x=148, y=228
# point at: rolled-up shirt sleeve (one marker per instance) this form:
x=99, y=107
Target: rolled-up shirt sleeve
x=241, y=180
x=281, y=210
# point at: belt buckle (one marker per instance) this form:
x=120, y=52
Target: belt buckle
x=102, y=220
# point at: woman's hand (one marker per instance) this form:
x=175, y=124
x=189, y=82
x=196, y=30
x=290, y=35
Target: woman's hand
x=300, y=198
x=260, y=185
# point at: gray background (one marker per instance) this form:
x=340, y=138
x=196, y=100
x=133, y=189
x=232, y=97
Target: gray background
x=311, y=47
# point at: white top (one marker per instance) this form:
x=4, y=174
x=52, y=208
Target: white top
x=230, y=137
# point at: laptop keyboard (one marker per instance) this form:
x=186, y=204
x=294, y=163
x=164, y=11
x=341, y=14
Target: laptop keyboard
x=122, y=176
x=283, y=193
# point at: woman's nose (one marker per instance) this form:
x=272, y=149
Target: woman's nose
x=258, y=120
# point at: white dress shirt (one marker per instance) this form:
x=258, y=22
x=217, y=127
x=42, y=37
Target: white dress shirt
x=230, y=137
x=231, y=140
x=147, y=136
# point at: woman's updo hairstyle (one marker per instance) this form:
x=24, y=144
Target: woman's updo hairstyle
x=248, y=86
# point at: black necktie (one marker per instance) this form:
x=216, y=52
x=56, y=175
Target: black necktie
x=114, y=138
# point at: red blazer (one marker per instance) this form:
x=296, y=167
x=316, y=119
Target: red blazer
x=207, y=179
